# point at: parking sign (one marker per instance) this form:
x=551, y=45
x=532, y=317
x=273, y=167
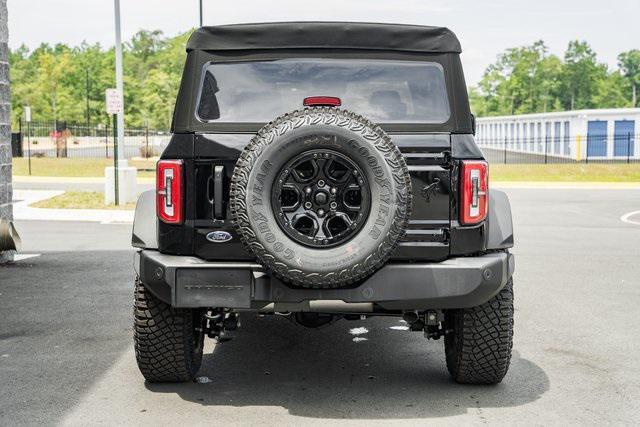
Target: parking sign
x=114, y=101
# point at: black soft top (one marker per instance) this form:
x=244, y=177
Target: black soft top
x=336, y=35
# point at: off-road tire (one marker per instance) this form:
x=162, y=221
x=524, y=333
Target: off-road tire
x=303, y=268
x=479, y=340
x=167, y=344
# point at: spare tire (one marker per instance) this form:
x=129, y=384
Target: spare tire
x=321, y=196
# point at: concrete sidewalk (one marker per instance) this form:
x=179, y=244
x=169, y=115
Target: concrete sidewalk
x=72, y=179
x=65, y=183
x=22, y=211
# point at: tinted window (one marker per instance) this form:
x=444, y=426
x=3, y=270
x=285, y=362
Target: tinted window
x=383, y=91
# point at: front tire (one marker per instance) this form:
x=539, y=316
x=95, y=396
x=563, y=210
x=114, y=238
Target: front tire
x=479, y=340
x=168, y=341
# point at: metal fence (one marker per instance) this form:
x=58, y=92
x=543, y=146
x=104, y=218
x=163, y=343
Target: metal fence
x=572, y=149
x=62, y=140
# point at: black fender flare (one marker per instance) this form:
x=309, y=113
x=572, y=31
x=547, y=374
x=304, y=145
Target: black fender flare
x=499, y=221
x=145, y=222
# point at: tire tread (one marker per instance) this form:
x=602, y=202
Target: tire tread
x=163, y=339
x=478, y=349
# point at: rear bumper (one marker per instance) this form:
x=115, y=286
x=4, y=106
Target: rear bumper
x=184, y=281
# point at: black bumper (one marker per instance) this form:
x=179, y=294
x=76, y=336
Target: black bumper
x=184, y=281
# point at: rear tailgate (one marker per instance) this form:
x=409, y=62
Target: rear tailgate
x=427, y=157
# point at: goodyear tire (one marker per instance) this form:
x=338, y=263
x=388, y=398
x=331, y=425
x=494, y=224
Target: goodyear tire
x=321, y=158
x=168, y=341
x=478, y=346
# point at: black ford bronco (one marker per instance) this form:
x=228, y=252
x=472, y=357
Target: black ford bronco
x=323, y=171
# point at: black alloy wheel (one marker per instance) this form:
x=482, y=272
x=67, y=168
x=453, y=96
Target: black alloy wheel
x=321, y=198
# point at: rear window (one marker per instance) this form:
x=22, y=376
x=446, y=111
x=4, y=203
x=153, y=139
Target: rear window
x=382, y=90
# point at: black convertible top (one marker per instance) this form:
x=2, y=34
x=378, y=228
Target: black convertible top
x=337, y=35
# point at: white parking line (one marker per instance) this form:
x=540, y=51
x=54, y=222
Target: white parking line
x=625, y=218
x=21, y=257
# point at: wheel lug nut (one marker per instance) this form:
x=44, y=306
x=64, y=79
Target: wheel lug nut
x=321, y=183
x=334, y=205
x=307, y=205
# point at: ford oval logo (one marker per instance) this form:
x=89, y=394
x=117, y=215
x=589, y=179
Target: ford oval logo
x=219, y=236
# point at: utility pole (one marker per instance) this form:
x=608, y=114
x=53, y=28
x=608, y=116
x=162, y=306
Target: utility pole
x=119, y=82
x=200, y=12
x=119, y=120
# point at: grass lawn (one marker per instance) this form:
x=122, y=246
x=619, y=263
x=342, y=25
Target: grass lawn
x=498, y=172
x=566, y=172
x=79, y=200
x=45, y=166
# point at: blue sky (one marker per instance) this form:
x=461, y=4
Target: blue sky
x=485, y=28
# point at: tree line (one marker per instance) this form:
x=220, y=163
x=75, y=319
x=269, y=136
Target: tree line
x=68, y=83
x=530, y=80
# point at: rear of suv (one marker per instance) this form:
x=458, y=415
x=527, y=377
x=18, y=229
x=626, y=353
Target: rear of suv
x=323, y=171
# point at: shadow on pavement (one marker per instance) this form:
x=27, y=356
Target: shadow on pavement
x=326, y=374
x=66, y=317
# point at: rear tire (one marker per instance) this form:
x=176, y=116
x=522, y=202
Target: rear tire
x=168, y=341
x=478, y=346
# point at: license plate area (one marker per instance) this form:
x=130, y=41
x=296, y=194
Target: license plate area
x=209, y=287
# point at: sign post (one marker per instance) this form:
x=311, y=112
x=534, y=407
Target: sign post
x=27, y=118
x=115, y=106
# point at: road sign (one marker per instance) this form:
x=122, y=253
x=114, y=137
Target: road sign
x=27, y=113
x=114, y=101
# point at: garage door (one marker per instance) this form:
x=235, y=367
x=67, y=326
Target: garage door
x=624, y=138
x=597, y=138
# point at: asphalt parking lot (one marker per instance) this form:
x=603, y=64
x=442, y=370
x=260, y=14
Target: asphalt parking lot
x=66, y=350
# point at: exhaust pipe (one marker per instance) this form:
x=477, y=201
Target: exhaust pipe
x=9, y=238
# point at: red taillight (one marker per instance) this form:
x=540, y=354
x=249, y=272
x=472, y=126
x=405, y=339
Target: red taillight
x=322, y=101
x=474, y=185
x=169, y=191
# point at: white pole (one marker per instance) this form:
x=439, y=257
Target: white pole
x=119, y=83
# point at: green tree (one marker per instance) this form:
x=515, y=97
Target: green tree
x=59, y=81
x=530, y=80
x=629, y=63
x=581, y=75
x=611, y=92
x=523, y=80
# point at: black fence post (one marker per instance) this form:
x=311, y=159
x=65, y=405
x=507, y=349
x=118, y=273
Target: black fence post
x=146, y=136
x=20, y=136
x=115, y=161
x=546, y=145
x=628, y=147
x=505, y=150
x=586, y=156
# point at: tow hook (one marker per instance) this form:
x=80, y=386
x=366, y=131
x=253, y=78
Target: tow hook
x=221, y=326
